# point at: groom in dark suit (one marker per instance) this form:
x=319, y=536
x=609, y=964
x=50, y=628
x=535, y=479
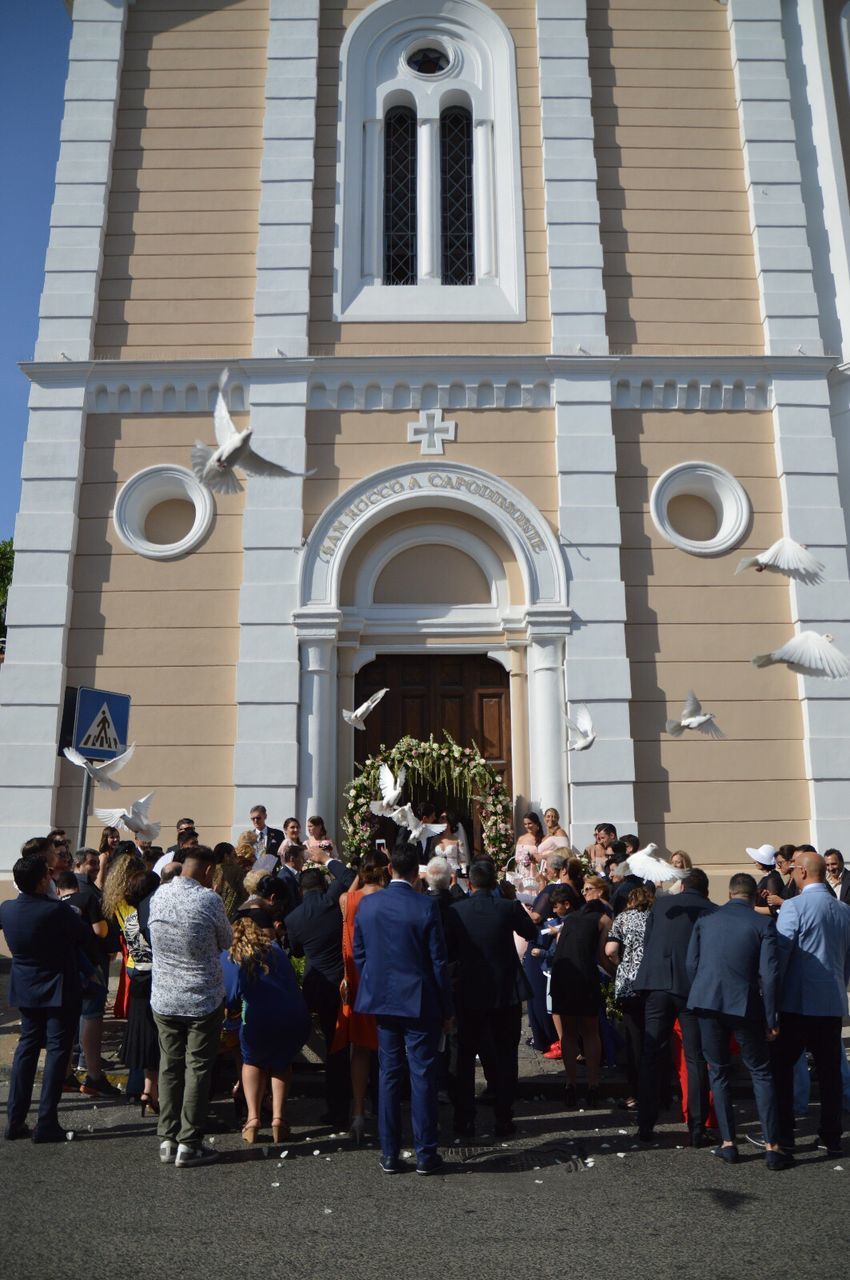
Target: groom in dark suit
x=400, y=951
x=490, y=990
x=45, y=937
x=733, y=964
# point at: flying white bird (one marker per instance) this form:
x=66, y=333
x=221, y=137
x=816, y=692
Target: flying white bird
x=419, y=830
x=809, y=654
x=645, y=864
x=693, y=717
x=214, y=467
x=358, y=716
x=101, y=774
x=788, y=557
x=135, y=820
x=390, y=791
x=580, y=725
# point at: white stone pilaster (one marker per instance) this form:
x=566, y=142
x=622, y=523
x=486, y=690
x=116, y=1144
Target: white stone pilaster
x=812, y=514
x=788, y=302
x=33, y=679
x=576, y=295
x=282, y=299
x=317, y=756
x=601, y=779
x=68, y=307
x=547, y=743
x=267, y=674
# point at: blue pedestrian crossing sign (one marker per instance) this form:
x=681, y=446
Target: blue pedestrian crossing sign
x=101, y=723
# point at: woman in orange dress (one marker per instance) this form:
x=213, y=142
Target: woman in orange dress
x=359, y=1030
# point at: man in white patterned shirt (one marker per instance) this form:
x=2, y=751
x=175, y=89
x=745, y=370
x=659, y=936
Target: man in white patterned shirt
x=188, y=931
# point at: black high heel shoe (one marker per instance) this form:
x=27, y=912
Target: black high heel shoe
x=148, y=1102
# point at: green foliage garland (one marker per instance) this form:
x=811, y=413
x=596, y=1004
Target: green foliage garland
x=443, y=767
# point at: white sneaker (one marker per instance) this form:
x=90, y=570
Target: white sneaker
x=167, y=1151
x=190, y=1154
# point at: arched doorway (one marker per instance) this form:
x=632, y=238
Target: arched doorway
x=466, y=695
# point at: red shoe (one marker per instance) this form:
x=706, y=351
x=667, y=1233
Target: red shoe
x=554, y=1051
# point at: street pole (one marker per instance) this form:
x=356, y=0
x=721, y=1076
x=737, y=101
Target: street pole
x=84, y=810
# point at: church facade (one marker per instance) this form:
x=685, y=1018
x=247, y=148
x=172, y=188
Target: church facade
x=551, y=303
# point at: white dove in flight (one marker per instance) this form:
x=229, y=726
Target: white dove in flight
x=788, y=557
x=135, y=820
x=646, y=864
x=693, y=717
x=405, y=817
x=101, y=774
x=358, y=716
x=390, y=791
x=809, y=654
x=581, y=729
x=214, y=467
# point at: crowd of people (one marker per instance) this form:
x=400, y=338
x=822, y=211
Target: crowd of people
x=413, y=965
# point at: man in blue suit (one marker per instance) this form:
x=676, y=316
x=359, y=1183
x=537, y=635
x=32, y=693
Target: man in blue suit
x=400, y=952
x=45, y=936
x=733, y=965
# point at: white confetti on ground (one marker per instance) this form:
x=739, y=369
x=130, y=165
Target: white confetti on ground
x=839, y=1168
x=275, y=1184
x=538, y=1182
x=317, y=1152
x=405, y=1155
x=327, y=1211
x=621, y=1130
x=621, y=1155
x=284, y=1154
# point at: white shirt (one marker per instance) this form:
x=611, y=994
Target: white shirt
x=188, y=931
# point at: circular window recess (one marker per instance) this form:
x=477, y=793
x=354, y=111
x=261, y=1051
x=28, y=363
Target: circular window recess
x=429, y=60
x=700, y=508
x=163, y=512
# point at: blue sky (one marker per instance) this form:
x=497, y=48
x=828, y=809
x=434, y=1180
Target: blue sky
x=34, y=37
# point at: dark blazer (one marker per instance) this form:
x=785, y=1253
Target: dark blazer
x=400, y=950
x=733, y=964
x=45, y=936
x=665, y=943
x=621, y=893
x=274, y=839
x=314, y=929
x=843, y=894
x=481, y=945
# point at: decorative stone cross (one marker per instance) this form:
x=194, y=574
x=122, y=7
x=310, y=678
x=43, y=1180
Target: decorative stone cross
x=431, y=431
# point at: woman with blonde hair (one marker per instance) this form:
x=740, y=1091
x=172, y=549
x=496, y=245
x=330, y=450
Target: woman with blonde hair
x=683, y=862
x=275, y=1020
x=246, y=849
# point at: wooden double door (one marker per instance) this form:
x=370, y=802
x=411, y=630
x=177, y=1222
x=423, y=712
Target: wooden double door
x=467, y=695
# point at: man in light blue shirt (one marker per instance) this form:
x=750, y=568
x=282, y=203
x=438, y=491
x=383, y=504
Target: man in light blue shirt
x=814, y=940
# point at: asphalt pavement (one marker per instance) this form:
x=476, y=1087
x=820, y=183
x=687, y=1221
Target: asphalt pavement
x=571, y=1195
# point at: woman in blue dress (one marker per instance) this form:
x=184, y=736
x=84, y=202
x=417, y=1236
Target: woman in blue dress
x=275, y=1019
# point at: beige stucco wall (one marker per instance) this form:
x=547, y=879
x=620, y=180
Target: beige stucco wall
x=180, y=248
x=679, y=269
x=328, y=337
x=693, y=624
x=431, y=575
x=164, y=631
x=517, y=445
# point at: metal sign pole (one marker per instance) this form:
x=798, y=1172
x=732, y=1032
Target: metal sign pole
x=84, y=810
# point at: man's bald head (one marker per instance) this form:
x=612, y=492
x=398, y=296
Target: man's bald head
x=808, y=867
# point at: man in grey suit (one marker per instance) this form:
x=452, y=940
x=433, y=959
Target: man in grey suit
x=733, y=964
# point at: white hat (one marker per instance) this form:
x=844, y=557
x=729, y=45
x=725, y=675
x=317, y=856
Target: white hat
x=765, y=855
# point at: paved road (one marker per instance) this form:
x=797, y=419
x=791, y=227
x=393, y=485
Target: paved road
x=571, y=1196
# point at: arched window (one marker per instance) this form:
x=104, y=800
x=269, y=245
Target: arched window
x=457, y=230
x=428, y=100
x=400, y=196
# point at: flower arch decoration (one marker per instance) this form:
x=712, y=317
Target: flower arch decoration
x=441, y=766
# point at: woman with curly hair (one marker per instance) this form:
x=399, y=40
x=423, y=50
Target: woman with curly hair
x=115, y=910
x=275, y=1020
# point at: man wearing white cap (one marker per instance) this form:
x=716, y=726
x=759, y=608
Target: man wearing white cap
x=771, y=882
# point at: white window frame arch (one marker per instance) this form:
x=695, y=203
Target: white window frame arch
x=481, y=76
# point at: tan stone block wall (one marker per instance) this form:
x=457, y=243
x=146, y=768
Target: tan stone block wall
x=328, y=337
x=164, y=631
x=516, y=444
x=181, y=236
x=679, y=267
x=693, y=624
